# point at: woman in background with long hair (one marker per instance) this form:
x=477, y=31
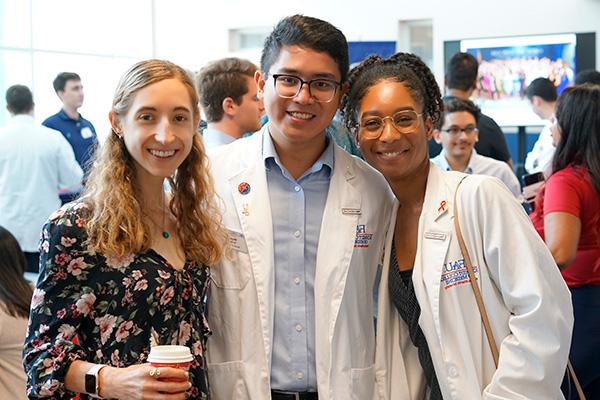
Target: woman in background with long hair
x=15, y=298
x=567, y=216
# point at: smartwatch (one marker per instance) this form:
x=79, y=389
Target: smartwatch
x=91, y=380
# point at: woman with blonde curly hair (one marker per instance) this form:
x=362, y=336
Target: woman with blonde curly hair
x=127, y=264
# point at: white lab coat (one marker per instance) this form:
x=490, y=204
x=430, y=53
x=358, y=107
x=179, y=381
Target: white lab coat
x=241, y=303
x=527, y=301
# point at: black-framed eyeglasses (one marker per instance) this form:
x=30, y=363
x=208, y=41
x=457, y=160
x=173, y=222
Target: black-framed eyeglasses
x=321, y=89
x=405, y=121
x=455, y=130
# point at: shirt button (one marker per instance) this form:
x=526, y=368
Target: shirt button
x=299, y=328
x=452, y=371
x=297, y=233
x=297, y=188
x=297, y=280
x=299, y=375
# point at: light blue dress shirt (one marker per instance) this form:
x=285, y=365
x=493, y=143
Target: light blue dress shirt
x=297, y=209
x=215, y=138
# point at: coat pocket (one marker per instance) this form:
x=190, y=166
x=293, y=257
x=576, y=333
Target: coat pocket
x=232, y=273
x=227, y=381
x=363, y=383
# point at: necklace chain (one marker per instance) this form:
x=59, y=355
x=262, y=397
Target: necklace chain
x=164, y=232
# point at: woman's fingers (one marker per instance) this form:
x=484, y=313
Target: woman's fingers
x=167, y=380
x=168, y=373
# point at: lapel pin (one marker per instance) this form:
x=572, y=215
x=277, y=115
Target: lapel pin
x=442, y=206
x=244, y=188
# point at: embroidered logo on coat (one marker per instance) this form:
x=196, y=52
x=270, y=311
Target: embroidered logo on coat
x=363, y=238
x=455, y=273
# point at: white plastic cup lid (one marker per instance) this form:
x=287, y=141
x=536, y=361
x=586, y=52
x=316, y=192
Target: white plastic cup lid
x=170, y=354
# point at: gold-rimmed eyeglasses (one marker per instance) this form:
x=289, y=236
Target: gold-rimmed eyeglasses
x=405, y=121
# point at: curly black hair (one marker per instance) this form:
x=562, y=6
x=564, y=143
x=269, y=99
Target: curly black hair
x=404, y=68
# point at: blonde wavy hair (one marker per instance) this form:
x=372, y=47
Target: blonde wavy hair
x=116, y=227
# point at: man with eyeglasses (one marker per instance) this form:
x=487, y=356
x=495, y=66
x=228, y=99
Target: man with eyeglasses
x=291, y=308
x=458, y=136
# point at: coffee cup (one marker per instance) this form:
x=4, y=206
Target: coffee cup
x=170, y=356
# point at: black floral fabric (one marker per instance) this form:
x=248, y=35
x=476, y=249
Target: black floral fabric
x=108, y=310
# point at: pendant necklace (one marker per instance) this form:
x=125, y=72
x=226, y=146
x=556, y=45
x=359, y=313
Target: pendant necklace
x=165, y=233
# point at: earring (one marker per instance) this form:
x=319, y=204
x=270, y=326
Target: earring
x=119, y=134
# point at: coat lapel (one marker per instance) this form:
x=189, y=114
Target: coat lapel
x=251, y=199
x=334, y=254
x=336, y=240
x=435, y=232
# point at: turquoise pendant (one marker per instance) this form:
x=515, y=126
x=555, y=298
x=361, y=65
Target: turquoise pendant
x=165, y=234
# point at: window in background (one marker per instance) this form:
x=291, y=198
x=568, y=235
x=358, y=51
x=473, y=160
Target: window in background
x=99, y=41
x=15, y=24
x=416, y=36
x=248, y=42
x=15, y=67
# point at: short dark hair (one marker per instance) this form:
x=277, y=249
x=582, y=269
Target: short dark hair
x=221, y=79
x=15, y=291
x=542, y=87
x=587, y=76
x=461, y=71
x=19, y=99
x=455, y=104
x=61, y=80
x=405, y=68
x=309, y=32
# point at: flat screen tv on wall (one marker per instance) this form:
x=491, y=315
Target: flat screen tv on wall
x=508, y=64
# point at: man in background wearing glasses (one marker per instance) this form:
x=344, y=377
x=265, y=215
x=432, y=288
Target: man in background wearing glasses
x=458, y=136
x=291, y=308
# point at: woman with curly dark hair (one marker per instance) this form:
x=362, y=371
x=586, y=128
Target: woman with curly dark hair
x=567, y=216
x=126, y=266
x=431, y=343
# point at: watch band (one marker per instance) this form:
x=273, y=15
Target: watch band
x=91, y=380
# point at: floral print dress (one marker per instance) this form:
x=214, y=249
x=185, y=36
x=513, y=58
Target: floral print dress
x=114, y=307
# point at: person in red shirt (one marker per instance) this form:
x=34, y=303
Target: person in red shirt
x=567, y=216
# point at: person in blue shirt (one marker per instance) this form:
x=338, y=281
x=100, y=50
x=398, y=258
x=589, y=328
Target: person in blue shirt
x=79, y=132
x=229, y=100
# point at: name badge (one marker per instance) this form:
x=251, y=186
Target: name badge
x=86, y=132
x=435, y=235
x=237, y=241
x=351, y=211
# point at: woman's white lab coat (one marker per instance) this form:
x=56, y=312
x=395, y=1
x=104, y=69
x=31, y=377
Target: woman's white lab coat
x=241, y=303
x=528, y=303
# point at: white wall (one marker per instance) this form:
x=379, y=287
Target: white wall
x=369, y=20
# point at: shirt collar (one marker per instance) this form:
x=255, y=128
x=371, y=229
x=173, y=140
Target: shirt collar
x=63, y=115
x=446, y=167
x=21, y=118
x=270, y=156
x=217, y=135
